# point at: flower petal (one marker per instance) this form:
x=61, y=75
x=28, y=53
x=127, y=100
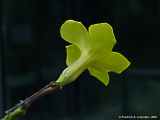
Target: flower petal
x=102, y=36
x=118, y=62
x=114, y=62
x=101, y=75
x=74, y=32
x=73, y=53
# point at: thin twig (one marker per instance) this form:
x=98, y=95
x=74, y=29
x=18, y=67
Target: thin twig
x=25, y=104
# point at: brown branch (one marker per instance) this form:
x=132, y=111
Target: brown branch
x=50, y=88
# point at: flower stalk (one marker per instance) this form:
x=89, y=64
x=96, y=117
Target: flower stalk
x=21, y=108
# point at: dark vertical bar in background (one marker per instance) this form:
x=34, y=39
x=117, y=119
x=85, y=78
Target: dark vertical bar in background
x=125, y=108
x=1, y=77
x=39, y=30
x=1, y=73
x=3, y=83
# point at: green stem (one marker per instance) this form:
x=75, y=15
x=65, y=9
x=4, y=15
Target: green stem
x=20, y=111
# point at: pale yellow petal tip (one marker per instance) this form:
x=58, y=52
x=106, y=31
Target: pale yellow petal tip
x=103, y=32
x=72, y=22
x=66, y=24
x=106, y=25
x=106, y=84
x=127, y=64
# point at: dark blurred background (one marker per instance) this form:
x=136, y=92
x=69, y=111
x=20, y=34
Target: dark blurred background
x=32, y=54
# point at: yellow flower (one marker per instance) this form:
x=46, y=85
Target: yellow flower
x=90, y=49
